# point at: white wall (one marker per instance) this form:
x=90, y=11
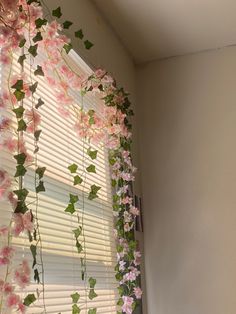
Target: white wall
x=187, y=124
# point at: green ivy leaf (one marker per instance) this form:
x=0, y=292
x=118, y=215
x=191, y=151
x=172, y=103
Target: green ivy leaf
x=88, y=45
x=37, y=134
x=33, y=250
x=92, y=282
x=33, y=87
x=37, y=37
x=21, y=125
x=113, y=183
x=19, y=112
x=21, y=207
x=36, y=276
x=91, y=168
x=39, y=104
x=22, y=42
x=67, y=48
x=39, y=71
x=18, y=85
x=75, y=309
x=112, y=161
x=92, y=153
x=21, y=59
x=77, y=180
x=74, y=198
x=29, y=299
x=20, y=158
x=79, y=34
x=36, y=149
x=67, y=24
x=120, y=302
x=33, y=50
x=32, y=1
x=19, y=95
x=79, y=246
x=91, y=115
x=20, y=171
x=40, y=22
x=40, y=187
x=75, y=297
x=21, y=194
x=119, y=276
x=93, y=192
x=73, y=168
x=40, y=172
x=120, y=289
x=77, y=232
x=70, y=209
x=57, y=12
x=92, y=311
x=92, y=294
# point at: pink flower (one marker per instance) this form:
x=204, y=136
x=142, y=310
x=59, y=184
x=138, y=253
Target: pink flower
x=99, y=73
x=122, y=265
x=4, y=58
x=7, y=251
x=134, y=210
x=126, y=200
x=4, y=261
x=137, y=258
x=65, y=70
x=4, y=230
x=127, y=176
x=107, y=79
x=9, y=5
x=113, y=143
x=12, y=199
x=34, y=120
x=127, y=306
x=4, y=123
x=22, y=274
x=12, y=300
x=22, y=222
x=132, y=275
x=5, y=183
x=128, y=227
x=21, y=307
x=127, y=217
x=10, y=144
x=8, y=288
x=138, y=293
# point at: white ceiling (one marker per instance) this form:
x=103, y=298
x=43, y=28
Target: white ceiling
x=153, y=29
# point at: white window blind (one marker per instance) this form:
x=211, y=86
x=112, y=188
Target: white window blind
x=60, y=147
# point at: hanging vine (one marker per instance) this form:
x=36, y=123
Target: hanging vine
x=24, y=31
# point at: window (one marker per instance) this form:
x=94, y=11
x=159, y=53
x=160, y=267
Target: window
x=60, y=147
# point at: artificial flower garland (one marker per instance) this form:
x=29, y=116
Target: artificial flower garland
x=24, y=29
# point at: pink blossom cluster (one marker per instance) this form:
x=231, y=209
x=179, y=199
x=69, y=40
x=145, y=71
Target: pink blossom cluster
x=12, y=300
x=22, y=222
x=12, y=24
x=6, y=254
x=22, y=274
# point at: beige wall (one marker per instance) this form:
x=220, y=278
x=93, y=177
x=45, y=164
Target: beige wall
x=187, y=127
